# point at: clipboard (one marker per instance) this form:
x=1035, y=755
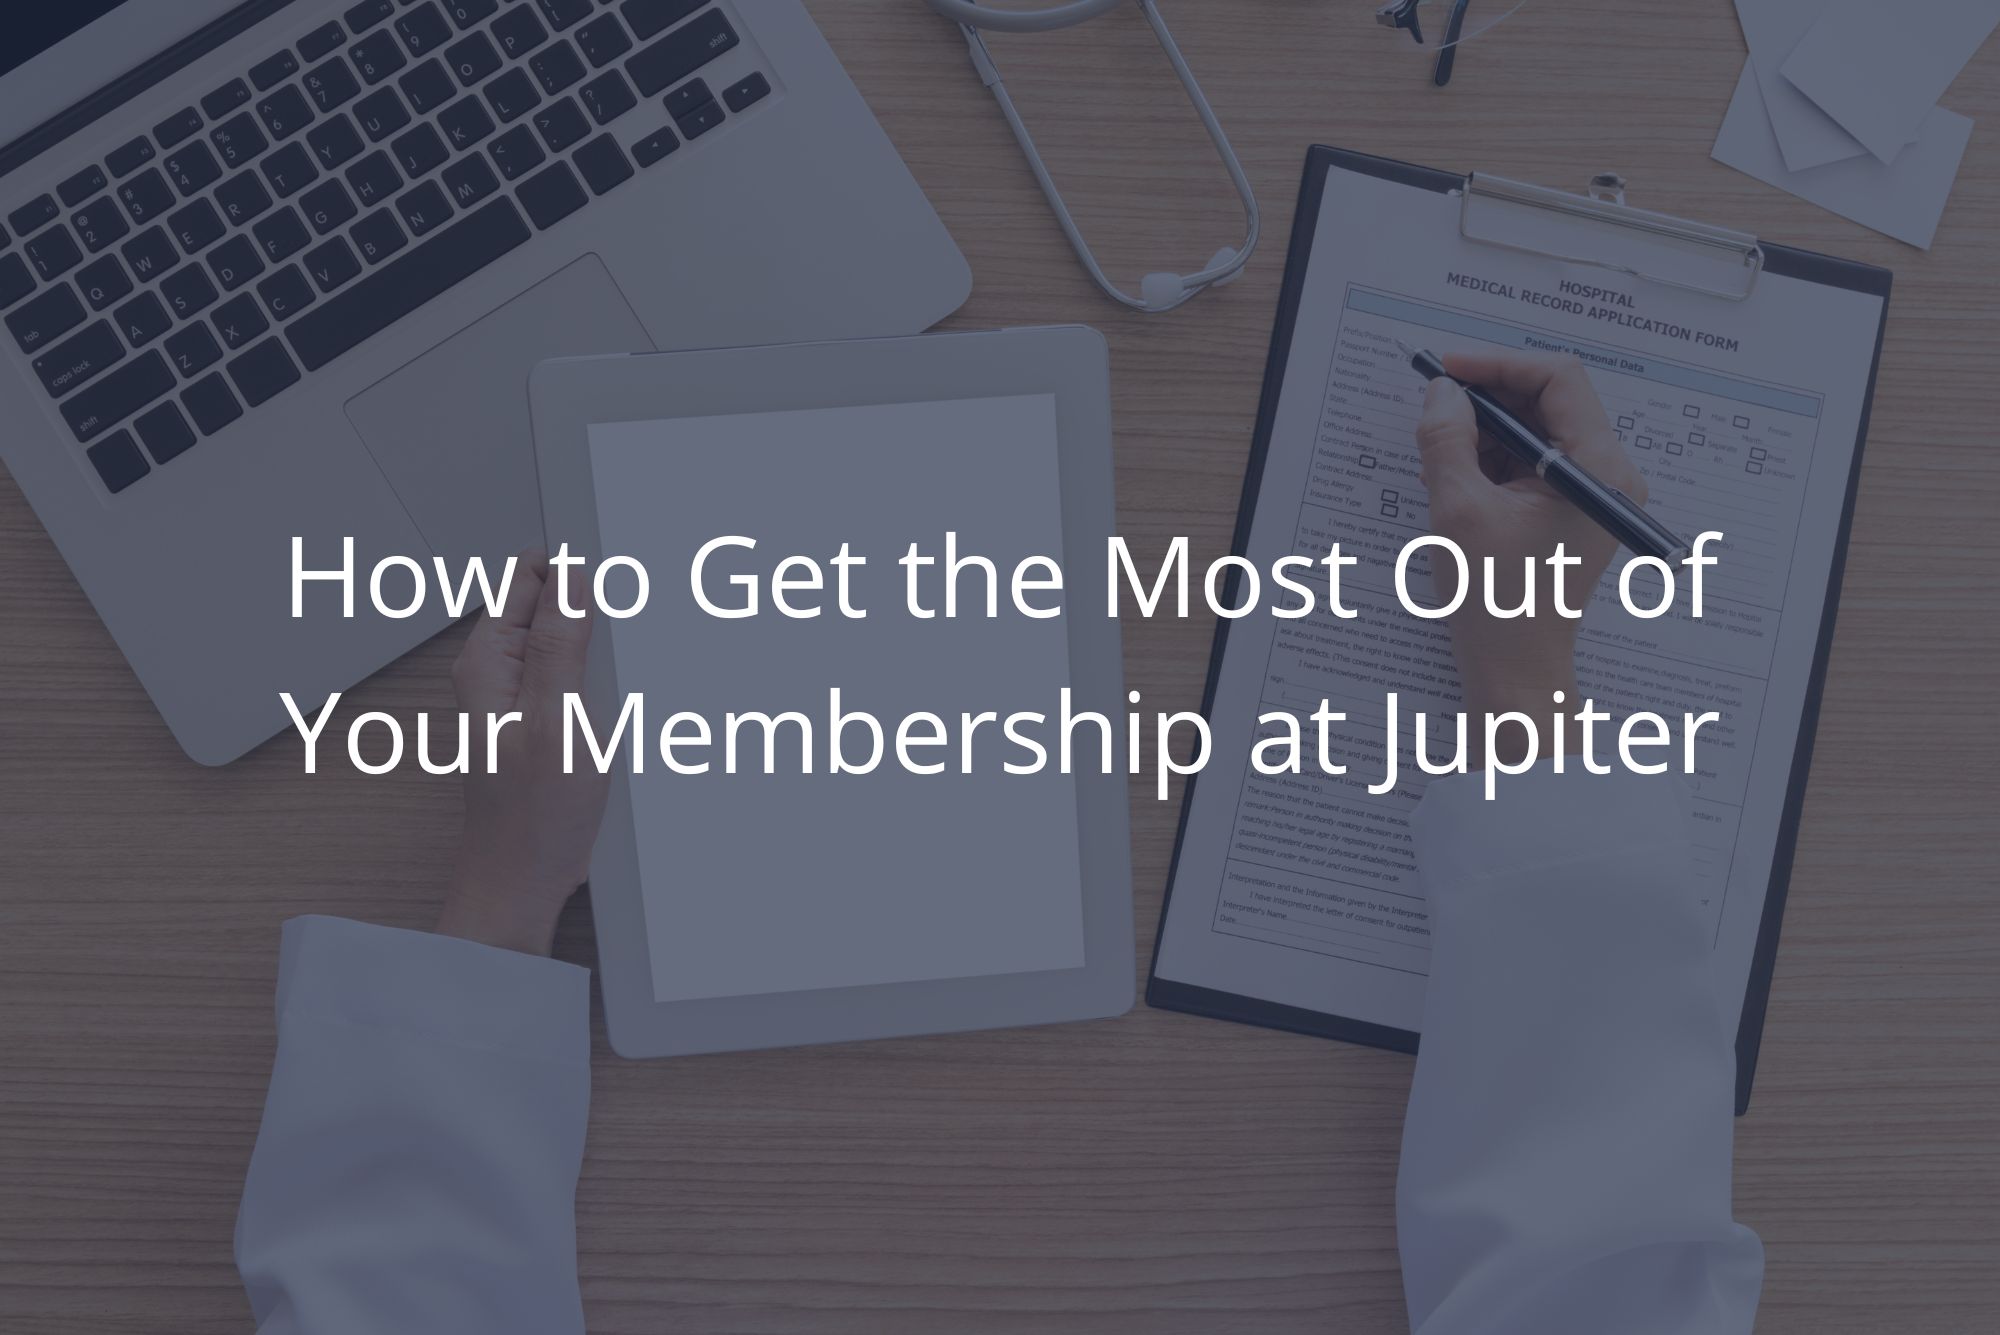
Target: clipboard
x=1598, y=229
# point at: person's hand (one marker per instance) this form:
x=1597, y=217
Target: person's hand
x=528, y=827
x=1492, y=505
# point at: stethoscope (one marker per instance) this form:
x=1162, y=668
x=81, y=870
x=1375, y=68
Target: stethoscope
x=1158, y=291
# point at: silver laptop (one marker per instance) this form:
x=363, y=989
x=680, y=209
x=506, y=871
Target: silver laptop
x=285, y=272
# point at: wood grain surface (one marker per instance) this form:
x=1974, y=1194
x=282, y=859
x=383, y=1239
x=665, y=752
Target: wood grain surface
x=1156, y=1173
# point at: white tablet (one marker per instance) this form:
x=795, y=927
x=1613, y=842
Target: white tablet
x=826, y=821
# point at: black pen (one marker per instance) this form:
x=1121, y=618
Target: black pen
x=1611, y=509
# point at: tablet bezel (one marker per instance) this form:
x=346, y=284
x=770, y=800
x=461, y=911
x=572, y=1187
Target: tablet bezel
x=568, y=396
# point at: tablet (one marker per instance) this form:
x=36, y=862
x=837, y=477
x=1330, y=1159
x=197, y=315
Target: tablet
x=824, y=823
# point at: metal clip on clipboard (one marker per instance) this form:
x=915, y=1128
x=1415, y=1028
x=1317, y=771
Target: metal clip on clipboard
x=1600, y=229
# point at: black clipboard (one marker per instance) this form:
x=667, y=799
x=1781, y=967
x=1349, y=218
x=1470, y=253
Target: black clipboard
x=1784, y=261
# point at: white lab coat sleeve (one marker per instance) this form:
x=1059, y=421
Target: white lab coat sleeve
x=417, y=1166
x=1566, y=1155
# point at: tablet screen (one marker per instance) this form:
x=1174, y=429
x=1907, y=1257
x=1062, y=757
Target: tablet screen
x=798, y=879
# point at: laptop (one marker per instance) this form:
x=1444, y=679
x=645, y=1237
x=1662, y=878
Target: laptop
x=284, y=273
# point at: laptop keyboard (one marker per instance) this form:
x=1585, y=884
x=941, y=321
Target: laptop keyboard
x=335, y=187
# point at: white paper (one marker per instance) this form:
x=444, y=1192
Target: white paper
x=1904, y=199
x=755, y=883
x=1878, y=67
x=1300, y=890
x=1808, y=136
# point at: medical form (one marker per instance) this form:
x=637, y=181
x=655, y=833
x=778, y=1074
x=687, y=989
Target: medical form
x=1296, y=895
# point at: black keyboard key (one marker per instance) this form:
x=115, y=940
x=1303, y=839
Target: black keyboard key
x=327, y=206
x=193, y=350
x=377, y=56
x=263, y=373
x=99, y=223
x=179, y=126
x=469, y=180
x=378, y=236
x=196, y=227
x=238, y=140
x=53, y=253
x=563, y=13
x=332, y=264
x=608, y=97
x=473, y=60
x=165, y=432
x=603, y=164
x=211, y=405
x=424, y=29
x=98, y=407
x=74, y=362
x=290, y=170
x=48, y=317
x=690, y=96
x=603, y=40
x=701, y=120
x=103, y=282
x=367, y=14
x=451, y=255
x=188, y=291
x=331, y=86
x=118, y=462
x=129, y=157
x=224, y=100
x=286, y=292
x=465, y=122
x=143, y=319
x=15, y=280
x=192, y=169
x=517, y=152
x=146, y=195
x=151, y=253
x=557, y=67
x=424, y=208
x=334, y=142
x=373, y=179
x=75, y=189
x=563, y=125
x=512, y=95
x=240, y=321
x=746, y=91
x=322, y=41
x=285, y=112
x=242, y=197
x=235, y=262
x=428, y=86
x=519, y=31
x=681, y=52
x=552, y=194
x=282, y=235
x=381, y=114
x=37, y=212
x=269, y=73
x=655, y=146
x=420, y=152
x=470, y=13
x=651, y=17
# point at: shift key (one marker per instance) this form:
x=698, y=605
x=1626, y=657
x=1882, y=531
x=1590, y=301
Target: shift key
x=93, y=411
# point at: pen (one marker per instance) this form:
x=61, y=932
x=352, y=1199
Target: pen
x=1611, y=509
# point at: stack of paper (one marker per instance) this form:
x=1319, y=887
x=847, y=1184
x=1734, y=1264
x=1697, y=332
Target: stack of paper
x=1838, y=104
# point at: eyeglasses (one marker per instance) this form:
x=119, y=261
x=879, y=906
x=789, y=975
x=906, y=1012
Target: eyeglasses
x=1440, y=27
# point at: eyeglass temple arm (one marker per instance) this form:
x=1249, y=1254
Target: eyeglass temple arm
x=1448, y=57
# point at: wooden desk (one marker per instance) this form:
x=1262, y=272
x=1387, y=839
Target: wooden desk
x=1157, y=1173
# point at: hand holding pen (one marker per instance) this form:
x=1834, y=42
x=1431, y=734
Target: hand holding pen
x=1559, y=385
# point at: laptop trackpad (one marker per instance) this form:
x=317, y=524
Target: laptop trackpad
x=451, y=429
